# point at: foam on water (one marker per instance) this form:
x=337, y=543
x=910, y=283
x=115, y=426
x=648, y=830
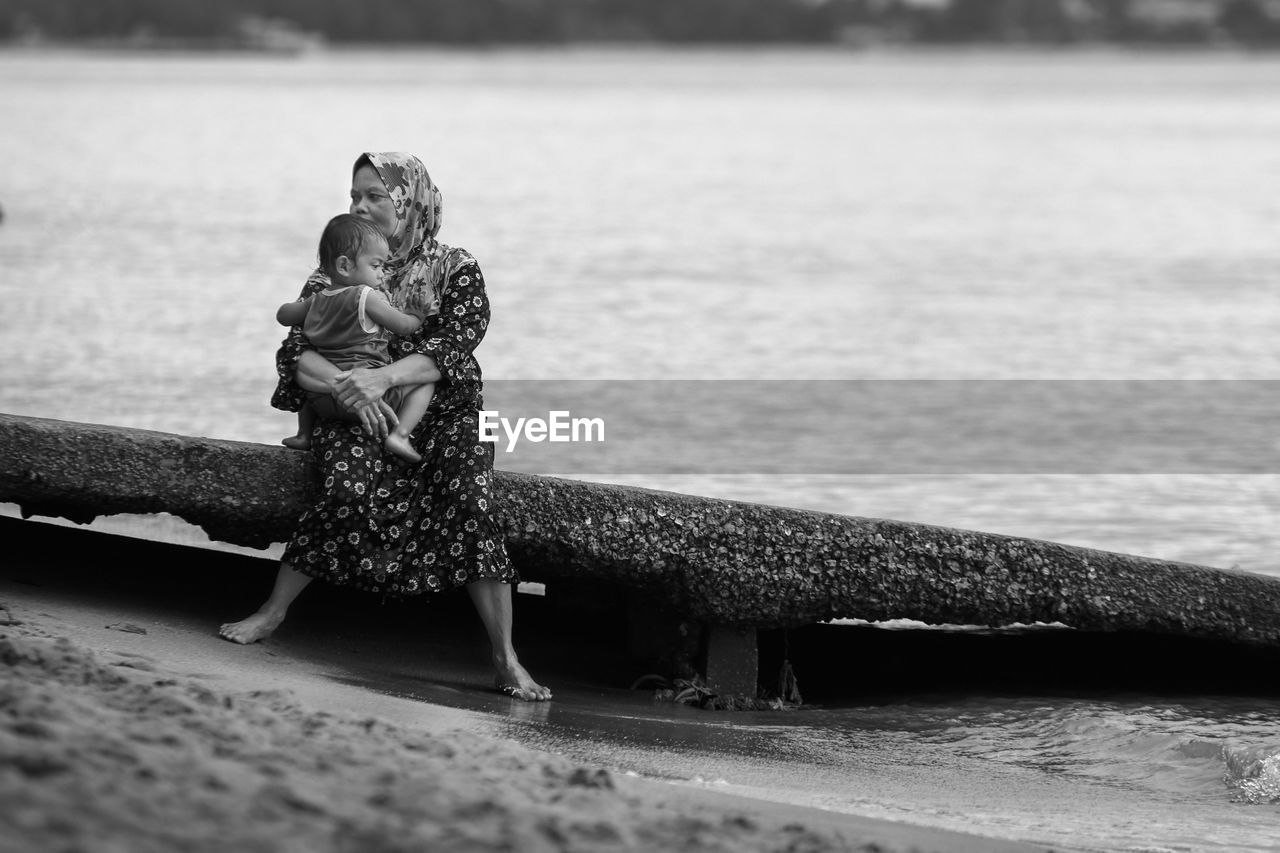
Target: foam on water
x=1254, y=773
x=1161, y=748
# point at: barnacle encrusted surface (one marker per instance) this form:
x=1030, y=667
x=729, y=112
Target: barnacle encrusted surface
x=716, y=561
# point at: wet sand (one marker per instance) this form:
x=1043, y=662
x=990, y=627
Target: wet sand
x=127, y=724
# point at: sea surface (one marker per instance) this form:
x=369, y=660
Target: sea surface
x=744, y=218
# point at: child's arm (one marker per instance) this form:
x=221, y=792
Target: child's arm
x=380, y=311
x=292, y=313
x=288, y=395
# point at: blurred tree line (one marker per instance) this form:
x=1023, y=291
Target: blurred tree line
x=1254, y=22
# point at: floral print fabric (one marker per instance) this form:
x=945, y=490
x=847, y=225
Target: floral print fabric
x=381, y=523
x=418, y=260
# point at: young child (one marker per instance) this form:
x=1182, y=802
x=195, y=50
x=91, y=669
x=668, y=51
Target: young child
x=346, y=324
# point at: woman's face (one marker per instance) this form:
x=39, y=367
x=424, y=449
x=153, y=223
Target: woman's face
x=369, y=200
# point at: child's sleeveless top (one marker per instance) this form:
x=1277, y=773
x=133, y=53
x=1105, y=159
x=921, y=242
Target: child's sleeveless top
x=340, y=330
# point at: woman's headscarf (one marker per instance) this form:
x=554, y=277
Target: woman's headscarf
x=418, y=259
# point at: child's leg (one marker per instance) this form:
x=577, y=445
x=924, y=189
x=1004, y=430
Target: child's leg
x=306, y=420
x=411, y=410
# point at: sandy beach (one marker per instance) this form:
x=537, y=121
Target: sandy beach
x=128, y=725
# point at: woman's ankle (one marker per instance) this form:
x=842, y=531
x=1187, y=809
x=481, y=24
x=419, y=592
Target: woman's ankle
x=273, y=611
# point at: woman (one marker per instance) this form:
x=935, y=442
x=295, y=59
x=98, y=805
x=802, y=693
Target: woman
x=381, y=523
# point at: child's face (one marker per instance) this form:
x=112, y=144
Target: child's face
x=368, y=268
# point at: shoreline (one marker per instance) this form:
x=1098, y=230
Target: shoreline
x=123, y=701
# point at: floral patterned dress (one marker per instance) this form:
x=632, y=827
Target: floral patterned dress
x=384, y=524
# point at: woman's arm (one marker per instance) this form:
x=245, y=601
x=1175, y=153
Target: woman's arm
x=361, y=390
x=463, y=320
x=362, y=386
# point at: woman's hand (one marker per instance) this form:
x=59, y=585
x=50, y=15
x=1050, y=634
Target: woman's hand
x=360, y=387
x=360, y=391
x=378, y=419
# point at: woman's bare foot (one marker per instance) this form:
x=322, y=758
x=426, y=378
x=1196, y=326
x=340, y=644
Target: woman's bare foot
x=400, y=446
x=257, y=627
x=515, y=681
x=297, y=442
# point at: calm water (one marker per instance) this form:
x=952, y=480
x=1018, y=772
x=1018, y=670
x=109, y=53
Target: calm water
x=720, y=215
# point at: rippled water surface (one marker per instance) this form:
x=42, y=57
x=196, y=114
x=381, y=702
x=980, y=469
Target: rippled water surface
x=648, y=214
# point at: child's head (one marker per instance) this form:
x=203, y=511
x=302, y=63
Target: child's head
x=353, y=251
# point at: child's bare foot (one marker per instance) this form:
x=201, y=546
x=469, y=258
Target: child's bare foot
x=400, y=446
x=257, y=627
x=297, y=442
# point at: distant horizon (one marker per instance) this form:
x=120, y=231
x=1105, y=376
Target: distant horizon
x=216, y=45
x=290, y=25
